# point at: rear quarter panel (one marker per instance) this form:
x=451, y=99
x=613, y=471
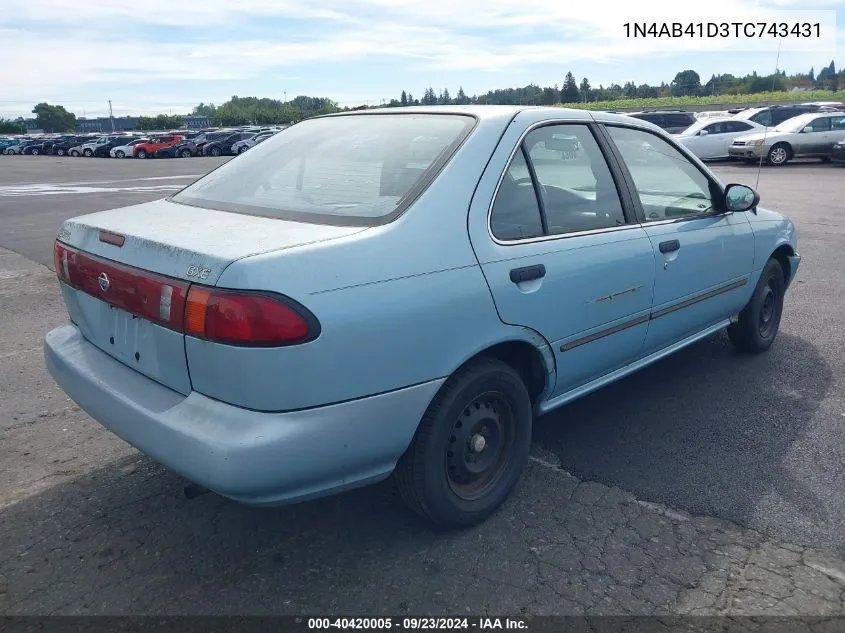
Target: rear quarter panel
x=398, y=305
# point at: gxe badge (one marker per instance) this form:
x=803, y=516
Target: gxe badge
x=104, y=281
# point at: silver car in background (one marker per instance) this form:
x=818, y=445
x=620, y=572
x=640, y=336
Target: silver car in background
x=810, y=135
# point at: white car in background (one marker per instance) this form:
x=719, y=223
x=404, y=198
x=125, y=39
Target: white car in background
x=122, y=151
x=710, y=138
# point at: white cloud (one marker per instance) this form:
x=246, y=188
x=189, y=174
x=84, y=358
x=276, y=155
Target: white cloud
x=100, y=45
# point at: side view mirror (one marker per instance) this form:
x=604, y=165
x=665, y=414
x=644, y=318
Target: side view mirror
x=741, y=198
x=703, y=133
x=807, y=129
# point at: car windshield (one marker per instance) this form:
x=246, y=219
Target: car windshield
x=347, y=169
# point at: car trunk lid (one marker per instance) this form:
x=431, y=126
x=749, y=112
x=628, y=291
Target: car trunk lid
x=126, y=273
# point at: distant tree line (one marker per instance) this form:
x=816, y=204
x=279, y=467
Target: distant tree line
x=265, y=111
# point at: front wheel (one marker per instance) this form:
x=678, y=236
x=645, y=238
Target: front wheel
x=185, y=153
x=216, y=151
x=778, y=154
x=88, y=153
x=35, y=152
x=758, y=323
x=120, y=154
x=470, y=448
x=75, y=154
x=60, y=152
x=141, y=154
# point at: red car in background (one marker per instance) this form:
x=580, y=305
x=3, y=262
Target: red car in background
x=148, y=149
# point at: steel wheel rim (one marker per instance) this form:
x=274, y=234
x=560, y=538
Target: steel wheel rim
x=477, y=453
x=769, y=310
x=778, y=155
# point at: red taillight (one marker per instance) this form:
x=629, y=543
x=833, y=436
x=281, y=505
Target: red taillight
x=247, y=318
x=154, y=297
x=234, y=317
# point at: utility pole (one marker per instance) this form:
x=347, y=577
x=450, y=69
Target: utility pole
x=111, y=116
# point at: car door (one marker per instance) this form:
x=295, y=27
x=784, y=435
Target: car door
x=814, y=138
x=837, y=131
x=560, y=247
x=710, y=144
x=703, y=257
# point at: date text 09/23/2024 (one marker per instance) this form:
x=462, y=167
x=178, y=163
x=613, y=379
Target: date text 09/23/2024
x=722, y=29
x=417, y=624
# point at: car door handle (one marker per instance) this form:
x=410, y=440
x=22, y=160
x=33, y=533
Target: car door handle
x=528, y=273
x=669, y=245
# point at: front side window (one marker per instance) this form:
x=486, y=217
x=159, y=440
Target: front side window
x=716, y=128
x=669, y=186
x=821, y=124
x=837, y=122
x=350, y=169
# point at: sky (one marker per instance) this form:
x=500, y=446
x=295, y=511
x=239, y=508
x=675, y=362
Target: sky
x=165, y=56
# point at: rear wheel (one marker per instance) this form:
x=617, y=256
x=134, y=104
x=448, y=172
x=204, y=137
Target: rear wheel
x=141, y=153
x=779, y=154
x=74, y=153
x=185, y=153
x=120, y=154
x=470, y=448
x=216, y=151
x=60, y=152
x=242, y=149
x=35, y=151
x=88, y=153
x=758, y=323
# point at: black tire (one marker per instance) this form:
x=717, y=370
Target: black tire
x=485, y=399
x=216, y=151
x=35, y=151
x=779, y=154
x=74, y=153
x=185, y=153
x=120, y=154
x=758, y=323
x=88, y=153
x=141, y=153
x=60, y=152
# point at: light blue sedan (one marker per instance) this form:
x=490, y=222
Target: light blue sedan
x=401, y=291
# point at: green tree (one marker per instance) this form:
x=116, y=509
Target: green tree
x=404, y=99
x=569, y=92
x=7, y=126
x=585, y=89
x=461, y=97
x=160, y=122
x=445, y=97
x=686, y=82
x=52, y=118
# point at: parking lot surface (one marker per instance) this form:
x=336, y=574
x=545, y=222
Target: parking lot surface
x=709, y=483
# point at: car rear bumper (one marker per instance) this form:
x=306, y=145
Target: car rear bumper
x=253, y=457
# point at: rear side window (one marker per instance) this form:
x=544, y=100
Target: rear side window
x=737, y=126
x=763, y=117
x=679, y=120
x=352, y=169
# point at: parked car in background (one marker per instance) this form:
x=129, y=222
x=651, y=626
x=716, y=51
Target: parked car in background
x=837, y=155
x=673, y=121
x=772, y=116
x=125, y=149
x=243, y=145
x=33, y=147
x=87, y=149
x=223, y=147
x=148, y=149
x=61, y=147
x=710, y=138
x=15, y=146
x=104, y=150
x=181, y=327
x=710, y=114
x=811, y=135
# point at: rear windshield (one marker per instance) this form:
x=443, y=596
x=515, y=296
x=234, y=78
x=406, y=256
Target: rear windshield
x=350, y=169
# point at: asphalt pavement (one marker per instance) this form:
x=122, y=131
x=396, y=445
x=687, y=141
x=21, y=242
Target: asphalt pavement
x=708, y=483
